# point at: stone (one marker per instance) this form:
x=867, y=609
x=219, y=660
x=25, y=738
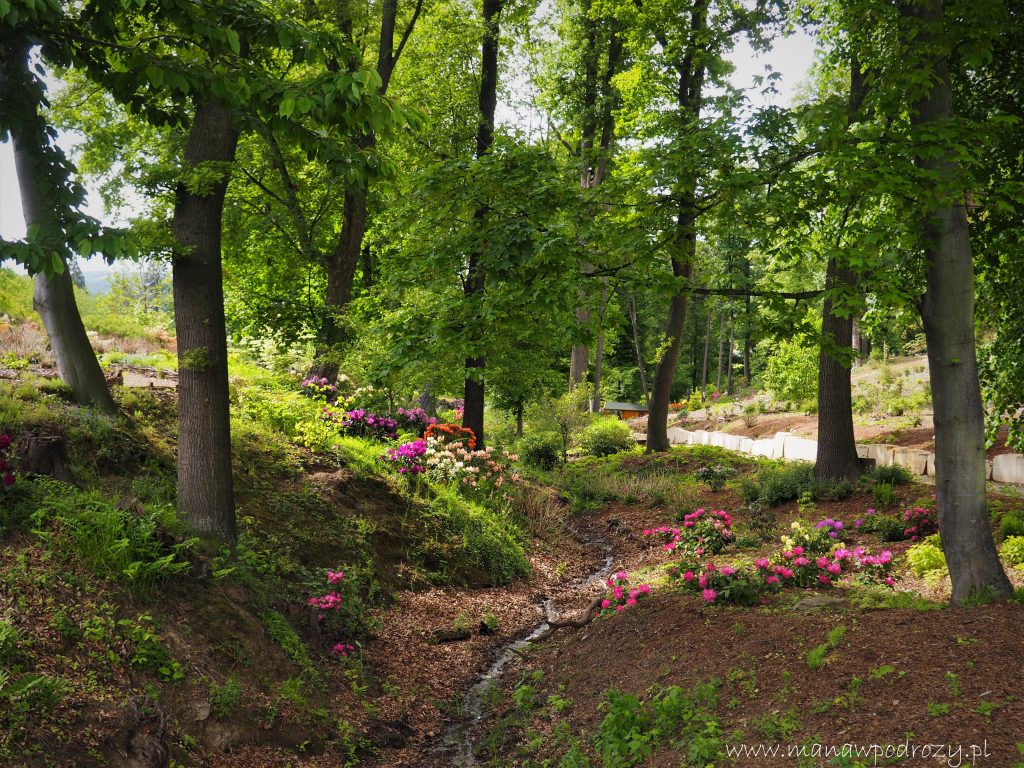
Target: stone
x=677, y=436
x=930, y=466
x=717, y=439
x=778, y=451
x=1008, y=468
x=746, y=445
x=764, y=448
x=818, y=601
x=701, y=437
x=913, y=459
x=799, y=449
x=882, y=454
x=732, y=442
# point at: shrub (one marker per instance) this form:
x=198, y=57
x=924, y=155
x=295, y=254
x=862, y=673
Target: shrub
x=888, y=527
x=762, y=521
x=920, y=522
x=834, y=490
x=925, y=557
x=893, y=474
x=1012, y=524
x=542, y=450
x=608, y=436
x=884, y=495
x=714, y=475
x=1013, y=550
x=780, y=483
x=792, y=371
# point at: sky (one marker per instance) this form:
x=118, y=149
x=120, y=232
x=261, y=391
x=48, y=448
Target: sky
x=792, y=57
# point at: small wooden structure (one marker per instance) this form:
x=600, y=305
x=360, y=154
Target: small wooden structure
x=625, y=411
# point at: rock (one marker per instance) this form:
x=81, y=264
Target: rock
x=779, y=442
x=799, y=448
x=882, y=454
x=202, y=711
x=1008, y=468
x=911, y=458
x=764, y=448
x=820, y=600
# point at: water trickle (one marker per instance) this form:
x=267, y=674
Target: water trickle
x=456, y=742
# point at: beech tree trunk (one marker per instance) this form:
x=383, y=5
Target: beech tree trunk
x=473, y=413
x=205, y=490
x=947, y=310
x=837, y=449
x=732, y=341
x=638, y=346
x=707, y=351
x=579, y=361
x=721, y=352
x=54, y=295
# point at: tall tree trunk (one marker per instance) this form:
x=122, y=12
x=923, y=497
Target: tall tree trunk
x=473, y=413
x=341, y=264
x=205, y=490
x=707, y=352
x=721, y=352
x=728, y=362
x=947, y=311
x=595, y=400
x=638, y=346
x=54, y=295
x=836, y=456
x=837, y=450
x=747, y=323
x=579, y=361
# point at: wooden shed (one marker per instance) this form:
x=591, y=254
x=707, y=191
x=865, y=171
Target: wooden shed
x=625, y=411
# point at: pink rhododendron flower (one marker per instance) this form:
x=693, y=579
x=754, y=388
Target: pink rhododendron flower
x=688, y=575
x=645, y=588
x=709, y=595
x=606, y=603
x=703, y=580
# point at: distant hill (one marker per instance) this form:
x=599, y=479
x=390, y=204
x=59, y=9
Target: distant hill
x=97, y=282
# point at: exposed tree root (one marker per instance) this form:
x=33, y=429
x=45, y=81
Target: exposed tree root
x=555, y=624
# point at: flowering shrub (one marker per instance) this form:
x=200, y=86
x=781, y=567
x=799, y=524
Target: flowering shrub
x=724, y=584
x=831, y=527
x=7, y=476
x=814, y=540
x=414, y=420
x=671, y=537
x=329, y=608
x=319, y=388
x=359, y=423
x=920, y=522
x=456, y=463
x=448, y=433
x=407, y=458
x=707, y=532
x=623, y=596
x=714, y=475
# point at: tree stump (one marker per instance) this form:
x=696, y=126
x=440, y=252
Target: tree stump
x=44, y=455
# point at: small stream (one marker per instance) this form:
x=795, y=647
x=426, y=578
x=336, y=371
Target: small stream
x=456, y=741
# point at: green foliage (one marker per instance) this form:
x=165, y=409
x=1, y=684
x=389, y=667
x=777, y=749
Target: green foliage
x=778, y=483
x=817, y=656
x=224, y=699
x=792, y=371
x=1013, y=550
x=606, y=436
x=15, y=295
x=888, y=527
x=283, y=633
x=1011, y=524
x=541, y=449
x=115, y=543
x=632, y=728
x=884, y=495
x=925, y=557
x=148, y=650
x=893, y=474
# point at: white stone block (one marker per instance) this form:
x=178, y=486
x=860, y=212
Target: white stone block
x=778, y=451
x=701, y=437
x=930, y=468
x=717, y=439
x=746, y=445
x=764, y=448
x=732, y=442
x=1008, y=468
x=882, y=454
x=913, y=459
x=676, y=436
x=800, y=449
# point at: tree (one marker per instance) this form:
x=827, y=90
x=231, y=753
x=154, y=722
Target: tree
x=947, y=310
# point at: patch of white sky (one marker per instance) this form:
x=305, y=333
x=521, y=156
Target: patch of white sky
x=791, y=57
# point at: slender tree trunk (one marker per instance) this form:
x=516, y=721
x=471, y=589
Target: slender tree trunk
x=721, y=352
x=638, y=346
x=205, y=490
x=665, y=373
x=54, y=295
x=595, y=400
x=728, y=362
x=473, y=413
x=947, y=310
x=579, y=362
x=707, y=352
x=747, y=324
x=519, y=419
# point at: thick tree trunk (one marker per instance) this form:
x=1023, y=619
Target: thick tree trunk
x=205, y=490
x=473, y=413
x=947, y=310
x=837, y=450
x=665, y=373
x=54, y=296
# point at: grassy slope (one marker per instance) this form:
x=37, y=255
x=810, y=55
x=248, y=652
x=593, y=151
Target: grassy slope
x=132, y=640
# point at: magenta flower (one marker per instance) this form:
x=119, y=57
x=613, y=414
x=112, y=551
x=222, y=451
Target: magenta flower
x=709, y=595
